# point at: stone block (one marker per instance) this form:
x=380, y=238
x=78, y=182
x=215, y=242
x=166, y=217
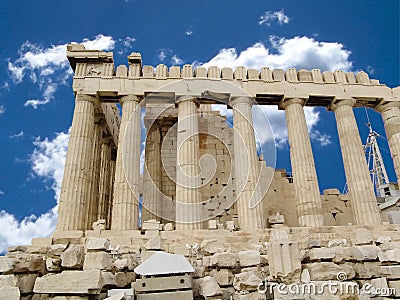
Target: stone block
x=56, y=249
x=168, y=227
x=366, y=252
x=249, y=258
x=154, y=243
x=29, y=263
x=8, y=280
x=337, y=242
x=73, y=257
x=227, y=260
x=214, y=246
x=70, y=282
x=97, y=260
x=391, y=255
x=9, y=293
x=284, y=260
x=390, y=272
x=212, y=224
x=42, y=241
x=363, y=237
x=26, y=282
x=151, y=225
x=246, y=281
x=320, y=253
x=98, y=244
x=65, y=237
x=367, y=270
x=395, y=286
x=119, y=279
x=6, y=264
x=224, y=277
x=209, y=287
x=53, y=264
x=323, y=271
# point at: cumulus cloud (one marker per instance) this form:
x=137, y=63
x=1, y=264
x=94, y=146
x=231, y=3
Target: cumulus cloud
x=298, y=52
x=14, y=232
x=47, y=162
x=273, y=16
x=48, y=159
x=175, y=60
x=47, y=67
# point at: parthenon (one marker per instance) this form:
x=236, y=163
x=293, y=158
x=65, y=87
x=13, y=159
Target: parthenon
x=185, y=139
x=164, y=197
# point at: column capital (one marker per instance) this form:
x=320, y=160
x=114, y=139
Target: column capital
x=130, y=97
x=384, y=105
x=181, y=99
x=339, y=102
x=243, y=99
x=86, y=97
x=289, y=101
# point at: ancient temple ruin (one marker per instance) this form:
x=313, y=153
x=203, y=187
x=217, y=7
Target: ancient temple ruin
x=205, y=191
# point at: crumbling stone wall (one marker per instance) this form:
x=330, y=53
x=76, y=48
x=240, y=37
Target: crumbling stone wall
x=227, y=263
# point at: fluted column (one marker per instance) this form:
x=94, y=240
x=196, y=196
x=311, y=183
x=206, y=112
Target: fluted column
x=127, y=169
x=188, y=168
x=246, y=169
x=307, y=196
x=94, y=174
x=72, y=206
x=111, y=197
x=361, y=190
x=104, y=181
x=152, y=175
x=391, y=118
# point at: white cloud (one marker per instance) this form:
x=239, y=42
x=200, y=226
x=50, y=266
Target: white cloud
x=47, y=67
x=15, y=233
x=1, y=193
x=270, y=16
x=277, y=120
x=297, y=52
x=47, y=162
x=17, y=135
x=175, y=60
x=188, y=32
x=162, y=55
x=48, y=159
x=2, y=109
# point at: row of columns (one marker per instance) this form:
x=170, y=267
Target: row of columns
x=87, y=185
x=88, y=179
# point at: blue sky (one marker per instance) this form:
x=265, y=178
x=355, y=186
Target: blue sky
x=36, y=99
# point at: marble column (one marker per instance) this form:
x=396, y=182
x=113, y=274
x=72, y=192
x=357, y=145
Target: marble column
x=307, y=196
x=246, y=168
x=188, y=168
x=94, y=171
x=391, y=118
x=152, y=174
x=72, y=206
x=112, y=179
x=104, y=180
x=127, y=169
x=361, y=190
